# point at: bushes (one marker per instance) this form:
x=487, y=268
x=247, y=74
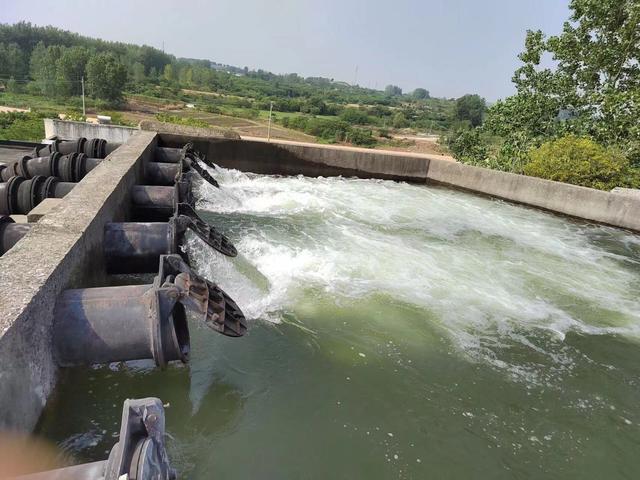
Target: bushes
x=22, y=126
x=581, y=161
x=191, y=122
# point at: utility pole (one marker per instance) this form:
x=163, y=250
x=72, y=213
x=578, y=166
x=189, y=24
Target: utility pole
x=84, y=112
x=269, y=128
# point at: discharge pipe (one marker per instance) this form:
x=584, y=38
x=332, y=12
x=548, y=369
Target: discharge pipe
x=69, y=168
x=134, y=322
x=93, y=148
x=11, y=232
x=135, y=247
x=139, y=454
x=20, y=196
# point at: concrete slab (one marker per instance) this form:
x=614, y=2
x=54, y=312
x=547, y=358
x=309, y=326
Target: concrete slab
x=43, y=208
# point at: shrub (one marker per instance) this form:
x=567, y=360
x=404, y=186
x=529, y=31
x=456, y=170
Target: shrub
x=581, y=161
x=467, y=146
x=22, y=126
x=361, y=137
x=191, y=122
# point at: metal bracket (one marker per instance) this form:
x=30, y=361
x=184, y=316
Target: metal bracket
x=185, y=217
x=190, y=159
x=141, y=452
x=219, y=312
x=192, y=162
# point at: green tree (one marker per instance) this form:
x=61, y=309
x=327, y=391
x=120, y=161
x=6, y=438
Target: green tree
x=470, y=108
x=106, y=77
x=12, y=61
x=393, y=90
x=593, y=90
x=169, y=75
x=420, y=94
x=43, y=67
x=137, y=72
x=399, y=120
x=70, y=68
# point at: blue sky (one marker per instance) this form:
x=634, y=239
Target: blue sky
x=449, y=47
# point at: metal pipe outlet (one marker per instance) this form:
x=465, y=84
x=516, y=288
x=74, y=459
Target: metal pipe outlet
x=135, y=246
x=110, y=324
x=150, y=202
x=11, y=232
x=161, y=173
x=168, y=155
x=140, y=453
x=113, y=324
x=68, y=168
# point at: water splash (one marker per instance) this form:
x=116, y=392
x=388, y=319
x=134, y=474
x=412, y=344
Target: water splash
x=490, y=273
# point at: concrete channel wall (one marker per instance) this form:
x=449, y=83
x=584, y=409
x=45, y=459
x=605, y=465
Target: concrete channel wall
x=620, y=209
x=67, y=130
x=63, y=250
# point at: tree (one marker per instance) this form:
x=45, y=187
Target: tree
x=12, y=61
x=596, y=79
x=70, y=68
x=169, y=74
x=470, y=108
x=43, y=67
x=106, y=76
x=137, y=72
x=399, y=120
x=393, y=90
x=420, y=94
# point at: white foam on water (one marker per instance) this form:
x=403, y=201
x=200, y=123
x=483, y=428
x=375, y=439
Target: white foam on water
x=488, y=269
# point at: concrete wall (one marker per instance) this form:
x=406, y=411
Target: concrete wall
x=615, y=209
x=70, y=130
x=288, y=159
x=618, y=209
x=63, y=250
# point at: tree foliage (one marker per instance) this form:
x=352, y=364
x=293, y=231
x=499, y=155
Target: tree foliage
x=582, y=161
x=106, y=77
x=584, y=81
x=420, y=94
x=470, y=108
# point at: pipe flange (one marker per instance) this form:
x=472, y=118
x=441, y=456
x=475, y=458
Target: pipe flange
x=49, y=187
x=80, y=167
x=54, y=146
x=13, y=186
x=101, y=148
x=21, y=167
x=37, y=183
x=54, y=162
x=80, y=145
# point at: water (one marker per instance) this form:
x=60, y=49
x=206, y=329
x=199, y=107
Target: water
x=397, y=331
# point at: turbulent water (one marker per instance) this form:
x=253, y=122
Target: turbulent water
x=396, y=331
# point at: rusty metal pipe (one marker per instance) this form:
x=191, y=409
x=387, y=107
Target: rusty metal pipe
x=11, y=232
x=168, y=155
x=20, y=196
x=161, y=173
x=113, y=324
x=136, y=247
x=155, y=203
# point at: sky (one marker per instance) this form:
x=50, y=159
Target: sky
x=449, y=47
